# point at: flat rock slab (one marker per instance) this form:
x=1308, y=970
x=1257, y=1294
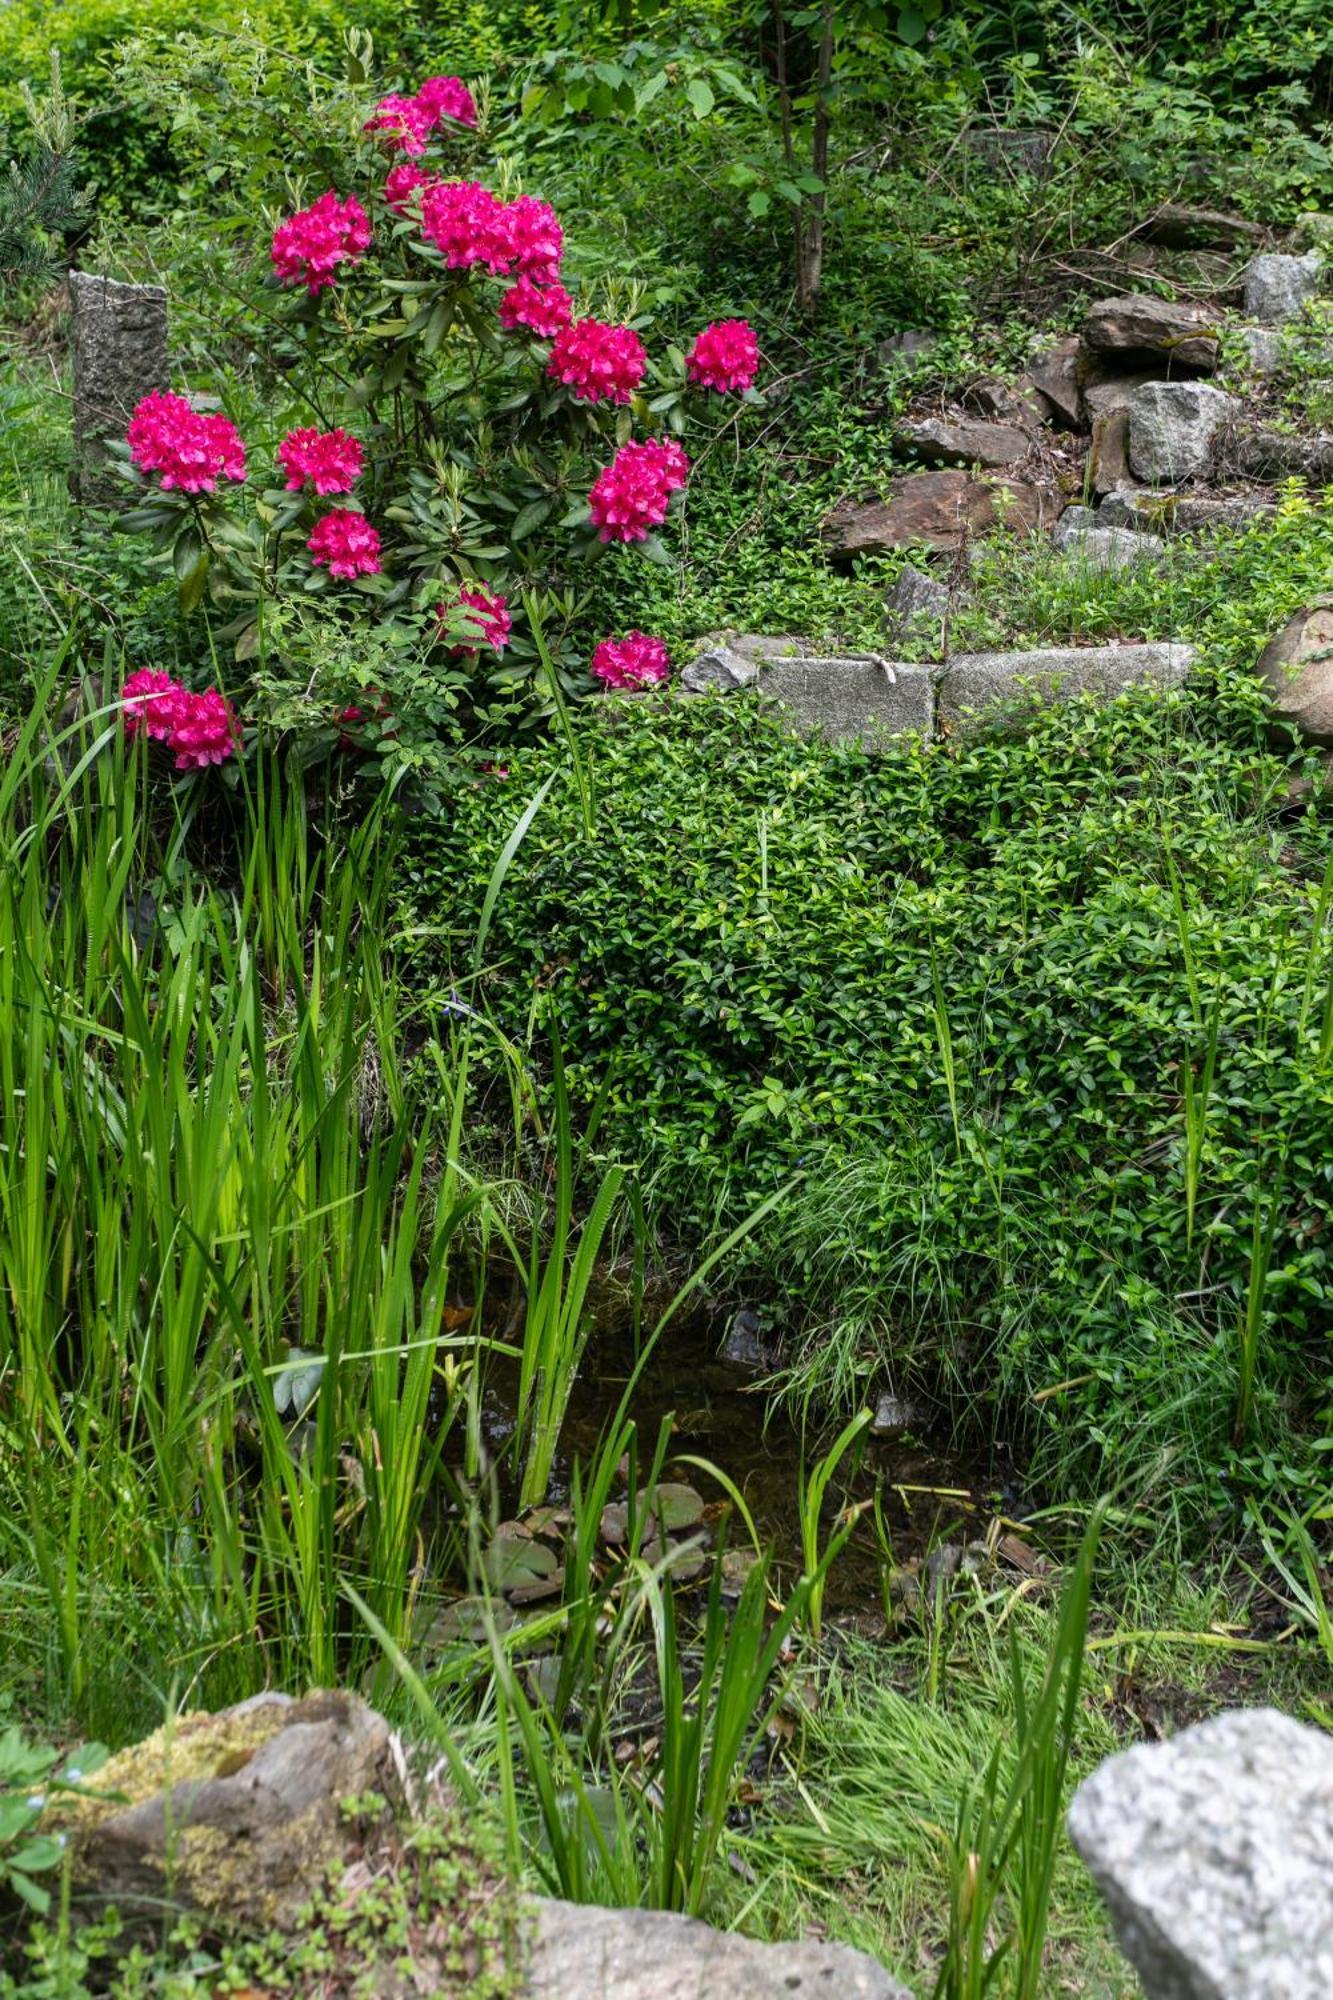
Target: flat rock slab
x=962, y=441
x=938, y=510
x=974, y=682
x=1139, y=324
x=583, y=1953
x=1215, y=1855
x=1182, y=513
x=859, y=697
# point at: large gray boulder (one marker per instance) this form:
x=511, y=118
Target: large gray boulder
x=1215, y=1855
x=583, y=1953
x=120, y=354
x=1278, y=287
x=1297, y=667
x=1138, y=324
x=971, y=683
x=1174, y=428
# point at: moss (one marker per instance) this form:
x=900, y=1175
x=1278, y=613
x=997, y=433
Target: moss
x=190, y=1748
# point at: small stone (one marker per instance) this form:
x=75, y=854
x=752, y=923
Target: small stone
x=1214, y=1852
x=1140, y=324
x=718, y=671
x=1174, y=427
x=1263, y=345
x=1104, y=394
x=1297, y=665
x=916, y=596
x=743, y=1344
x=962, y=441
x=1272, y=455
x=893, y=1416
x=1009, y=403
x=1278, y=287
x=974, y=682
x=938, y=510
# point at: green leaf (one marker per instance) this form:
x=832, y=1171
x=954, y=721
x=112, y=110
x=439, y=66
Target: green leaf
x=911, y=26
x=759, y=202
x=530, y=518
x=700, y=94
x=654, y=87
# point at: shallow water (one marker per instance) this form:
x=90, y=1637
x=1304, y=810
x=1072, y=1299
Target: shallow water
x=929, y=1493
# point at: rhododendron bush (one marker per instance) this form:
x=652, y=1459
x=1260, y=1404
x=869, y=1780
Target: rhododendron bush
x=454, y=419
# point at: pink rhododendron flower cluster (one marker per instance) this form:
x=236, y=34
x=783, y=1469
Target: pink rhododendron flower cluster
x=149, y=702
x=465, y=222
x=407, y=122
x=403, y=122
x=345, y=543
x=402, y=182
x=599, y=363
x=447, y=97
x=190, y=450
x=309, y=246
x=535, y=240
x=724, y=357
x=330, y=461
x=636, y=661
x=630, y=496
x=489, y=613
x=544, y=309
x=199, y=729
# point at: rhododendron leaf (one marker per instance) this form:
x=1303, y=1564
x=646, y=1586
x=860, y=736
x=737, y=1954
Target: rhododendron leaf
x=652, y=547
x=248, y=644
x=530, y=518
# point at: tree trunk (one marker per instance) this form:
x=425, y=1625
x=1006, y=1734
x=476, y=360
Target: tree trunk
x=810, y=214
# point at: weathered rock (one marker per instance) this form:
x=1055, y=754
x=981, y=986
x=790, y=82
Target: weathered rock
x=1311, y=231
x=916, y=598
x=1268, y=454
x=912, y=344
x=894, y=1416
x=236, y=1815
x=120, y=354
x=1018, y=149
x=1183, y=228
x=1054, y=376
x=1215, y=1855
x=938, y=510
x=1181, y=513
x=734, y=660
x=1263, y=347
x=1108, y=454
x=744, y=1344
x=974, y=682
x=1297, y=666
x=962, y=441
x=1140, y=324
x=1277, y=287
x=1100, y=547
x=1104, y=394
x=579, y=1952
x=847, y=699
x=1009, y=403
x=1174, y=427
